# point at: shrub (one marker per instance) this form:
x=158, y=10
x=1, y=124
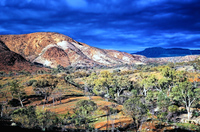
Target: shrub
x=41, y=83
x=30, y=82
x=45, y=82
x=195, y=113
x=31, y=118
x=188, y=126
x=173, y=108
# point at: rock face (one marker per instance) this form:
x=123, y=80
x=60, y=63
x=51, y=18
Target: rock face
x=53, y=49
x=11, y=61
x=156, y=52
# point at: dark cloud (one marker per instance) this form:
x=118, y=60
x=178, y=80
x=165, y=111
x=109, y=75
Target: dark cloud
x=126, y=25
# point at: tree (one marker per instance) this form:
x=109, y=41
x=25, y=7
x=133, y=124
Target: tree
x=150, y=100
x=168, y=72
x=25, y=116
x=83, y=110
x=169, y=75
x=45, y=87
x=46, y=119
x=30, y=117
x=106, y=84
x=103, y=83
x=4, y=93
x=17, y=90
x=163, y=102
x=89, y=81
x=122, y=83
x=187, y=94
x=57, y=93
x=147, y=83
x=136, y=109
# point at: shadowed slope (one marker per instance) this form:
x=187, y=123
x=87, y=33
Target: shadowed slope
x=11, y=61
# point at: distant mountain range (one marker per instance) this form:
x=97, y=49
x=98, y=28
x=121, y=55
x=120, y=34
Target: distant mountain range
x=156, y=52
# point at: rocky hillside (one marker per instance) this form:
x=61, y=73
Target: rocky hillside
x=156, y=52
x=53, y=49
x=11, y=61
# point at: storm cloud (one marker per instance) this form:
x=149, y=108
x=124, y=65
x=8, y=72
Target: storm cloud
x=125, y=25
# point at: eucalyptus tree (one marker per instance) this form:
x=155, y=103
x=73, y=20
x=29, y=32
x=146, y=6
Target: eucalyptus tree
x=169, y=78
x=83, y=111
x=147, y=83
x=46, y=119
x=18, y=91
x=187, y=94
x=45, y=87
x=101, y=83
x=135, y=108
x=122, y=83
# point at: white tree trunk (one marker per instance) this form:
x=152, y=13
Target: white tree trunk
x=21, y=102
x=188, y=114
x=145, y=92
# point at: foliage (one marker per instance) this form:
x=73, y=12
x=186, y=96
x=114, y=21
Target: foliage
x=185, y=93
x=188, y=126
x=107, y=84
x=45, y=87
x=25, y=116
x=85, y=107
x=83, y=112
x=31, y=118
x=195, y=113
x=149, y=91
x=135, y=108
x=147, y=83
x=45, y=83
x=17, y=91
x=30, y=82
x=163, y=101
x=173, y=108
x=46, y=119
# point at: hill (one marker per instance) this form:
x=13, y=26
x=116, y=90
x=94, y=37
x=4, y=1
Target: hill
x=53, y=49
x=11, y=61
x=156, y=52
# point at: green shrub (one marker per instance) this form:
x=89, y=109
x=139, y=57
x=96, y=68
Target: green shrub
x=30, y=82
x=29, y=117
x=41, y=83
x=188, y=126
x=173, y=108
x=195, y=114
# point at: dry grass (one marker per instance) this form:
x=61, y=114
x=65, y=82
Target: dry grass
x=114, y=120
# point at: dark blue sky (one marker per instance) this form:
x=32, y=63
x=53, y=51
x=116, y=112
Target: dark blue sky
x=125, y=25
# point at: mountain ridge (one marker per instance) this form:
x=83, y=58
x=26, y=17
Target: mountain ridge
x=53, y=49
x=157, y=52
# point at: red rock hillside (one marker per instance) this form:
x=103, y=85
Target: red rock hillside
x=52, y=49
x=11, y=61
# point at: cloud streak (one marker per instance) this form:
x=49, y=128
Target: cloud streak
x=126, y=25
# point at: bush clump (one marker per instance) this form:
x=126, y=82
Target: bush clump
x=30, y=82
